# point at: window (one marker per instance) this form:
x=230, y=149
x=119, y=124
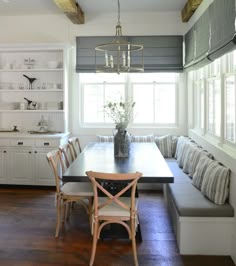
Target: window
x=230, y=108
x=159, y=102
x=154, y=95
x=214, y=98
x=200, y=104
x=97, y=90
x=214, y=107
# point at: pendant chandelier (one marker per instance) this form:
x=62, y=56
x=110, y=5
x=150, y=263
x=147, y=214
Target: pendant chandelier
x=119, y=56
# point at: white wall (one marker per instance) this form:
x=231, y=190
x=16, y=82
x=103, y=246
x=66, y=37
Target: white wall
x=58, y=28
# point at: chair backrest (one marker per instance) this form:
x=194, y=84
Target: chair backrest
x=129, y=183
x=66, y=153
x=57, y=164
x=74, y=146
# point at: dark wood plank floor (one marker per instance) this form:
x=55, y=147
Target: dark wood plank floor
x=27, y=226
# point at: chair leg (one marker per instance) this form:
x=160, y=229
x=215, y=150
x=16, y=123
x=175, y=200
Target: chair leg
x=90, y=212
x=95, y=239
x=134, y=242
x=63, y=211
x=69, y=207
x=58, y=216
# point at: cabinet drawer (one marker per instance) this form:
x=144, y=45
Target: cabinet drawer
x=22, y=142
x=47, y=143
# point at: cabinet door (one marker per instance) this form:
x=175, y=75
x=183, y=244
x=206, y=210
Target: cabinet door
x=42, y=172
x=3, y=166
x=21, y=166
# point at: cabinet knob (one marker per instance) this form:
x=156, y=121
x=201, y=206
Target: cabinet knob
x=29, y=151
x=4, y=151
x=20, y=143
x=46, y=143
x=35, y=152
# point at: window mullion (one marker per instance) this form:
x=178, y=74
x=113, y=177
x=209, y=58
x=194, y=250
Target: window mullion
x=155, y=87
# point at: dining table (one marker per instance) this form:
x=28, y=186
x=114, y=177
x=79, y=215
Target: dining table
x=99, y=156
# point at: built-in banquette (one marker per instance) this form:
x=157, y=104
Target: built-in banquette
x=197, y=201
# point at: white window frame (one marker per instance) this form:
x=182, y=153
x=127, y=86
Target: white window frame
x=129, y=96
x=225, y=67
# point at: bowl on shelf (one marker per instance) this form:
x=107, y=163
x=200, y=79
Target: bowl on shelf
x=9, y=106
x=52, y=64
x=54, y=105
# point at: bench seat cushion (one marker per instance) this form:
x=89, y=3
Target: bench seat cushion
x=190, y=202
x=179, y=175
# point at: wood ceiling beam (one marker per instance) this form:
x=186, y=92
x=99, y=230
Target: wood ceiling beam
x=72, y=10
x=189, y=9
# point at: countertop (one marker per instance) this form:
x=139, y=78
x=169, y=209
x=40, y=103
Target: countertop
x=13, y=134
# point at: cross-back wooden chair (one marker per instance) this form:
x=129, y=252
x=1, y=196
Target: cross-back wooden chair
x=114, y=207
x=67, y=193
x=66, y=153
x=75, y=147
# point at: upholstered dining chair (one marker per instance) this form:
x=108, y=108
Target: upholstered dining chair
x=74, y=146
x=69, y=192
x=115, y=207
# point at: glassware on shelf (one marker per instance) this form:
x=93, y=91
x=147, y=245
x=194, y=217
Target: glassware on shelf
x=44, y=86
x=29, y=62
x=37, y=85
x=21, y=86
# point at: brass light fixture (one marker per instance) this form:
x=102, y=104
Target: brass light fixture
x=119, y=55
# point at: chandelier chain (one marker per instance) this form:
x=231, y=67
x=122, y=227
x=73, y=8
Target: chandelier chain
x=118, y=12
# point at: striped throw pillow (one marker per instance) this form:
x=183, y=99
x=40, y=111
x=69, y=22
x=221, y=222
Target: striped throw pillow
x=187, y=160
x=102, y=138
x=215, y=184
x=164, y=143
x=181, y=141
x=174, y=145
x=146, y=138
x=201, y=168
x=181, y=157
x=195, y=157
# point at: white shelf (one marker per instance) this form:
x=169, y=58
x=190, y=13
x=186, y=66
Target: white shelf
x=31, y=111
x=48, y=91
x=33, y=90
x=32, y=70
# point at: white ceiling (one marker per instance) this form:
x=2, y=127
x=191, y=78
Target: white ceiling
x=90, y=7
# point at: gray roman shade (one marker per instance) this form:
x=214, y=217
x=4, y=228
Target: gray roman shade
x=197, y=43
x=212, y=35
x=85, y=53
x=189, y=39
x=222, y=39
x=202, y=29
x=161, y=53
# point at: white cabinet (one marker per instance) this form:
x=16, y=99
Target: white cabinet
x=43, y=174
x=21, y=166
x=23, y=160
x=4, y=159
x=29, y=167
x=37, y=73
x=33, y=83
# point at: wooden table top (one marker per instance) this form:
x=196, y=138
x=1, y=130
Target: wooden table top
x=144, y=157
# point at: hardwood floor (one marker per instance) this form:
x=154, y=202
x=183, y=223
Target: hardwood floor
x=27, y=227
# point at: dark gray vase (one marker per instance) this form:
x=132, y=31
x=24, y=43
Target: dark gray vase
x=121, y=144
